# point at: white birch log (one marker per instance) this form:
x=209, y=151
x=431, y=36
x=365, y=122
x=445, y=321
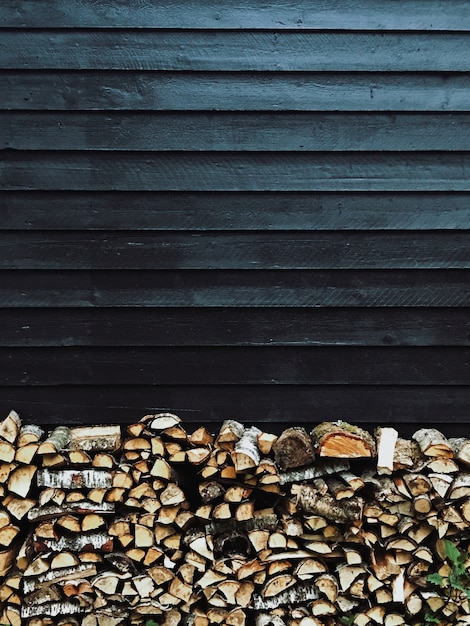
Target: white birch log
x=75, y=479
x=292, y=596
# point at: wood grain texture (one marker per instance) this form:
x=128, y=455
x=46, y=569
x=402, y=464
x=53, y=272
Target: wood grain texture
x=228, y=211
x=234, y=51
x=235, y=132
x=254, y=288
x=235, y=209
x=221, y=171
x=223, y=91
x=282, y=14
x=223, y=326
x=269, y=407
x=199, y=251
x=268, y=366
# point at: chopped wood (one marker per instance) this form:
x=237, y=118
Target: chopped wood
x=386, y=441
x=293, y=595
x=95, y=438
x=322, y=468
x=433, y=443
x=342, y=440
x=246, y=454
x=311, y=500
x=57, y=441
x=162, y=421
x=460, y=487
x=119, y=533
x=74, y=479
x=10, y=427
x=293, y=449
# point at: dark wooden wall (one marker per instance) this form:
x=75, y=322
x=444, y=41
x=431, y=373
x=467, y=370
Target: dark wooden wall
x=248, y=210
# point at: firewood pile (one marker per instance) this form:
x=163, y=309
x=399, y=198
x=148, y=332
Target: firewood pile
x=113, y=525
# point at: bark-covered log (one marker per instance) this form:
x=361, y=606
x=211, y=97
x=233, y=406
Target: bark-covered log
x=293, y=449
x=342, y=440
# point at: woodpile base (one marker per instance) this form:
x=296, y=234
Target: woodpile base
x=144, y=524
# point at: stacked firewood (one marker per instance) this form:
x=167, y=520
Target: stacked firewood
x=111, y=525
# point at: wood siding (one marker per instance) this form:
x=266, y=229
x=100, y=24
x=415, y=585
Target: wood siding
x=256, y=212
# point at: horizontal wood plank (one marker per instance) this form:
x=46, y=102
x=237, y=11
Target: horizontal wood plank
x=249, y=211
x=222, y=91
x=269, y=407
x=261, y=250
x=199, y=251
x=140, y=327
x=234, y=51
x=221, y=171
x=280, y=365
x=254, y=288
x=281, y=14
x=235, y=132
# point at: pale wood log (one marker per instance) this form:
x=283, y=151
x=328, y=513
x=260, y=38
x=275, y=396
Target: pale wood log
x=57, y=441
x=96, y=438
x=433, y=443
x=53, y=461
x=7, y=558
x=25, y=454
x=422, y=504
x=10, y=427
x=461, y=448
x=7, y=451
x=327, y=585
x=342, y=440
x=465, y=510
x=201, y=437
x=440, y=483
x=442, y=465
x=198, y=455
x=29, y=433
x=11, y=615
x=266, y=442
x=417, y=484
x=103, y=460
x=230, y=432
x=20, y=480
x=19, y=506
x=8, y=534
x=293, y=449
x=162, y=421
x=460, y=487
x=386, y=441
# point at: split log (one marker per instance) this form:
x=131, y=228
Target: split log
x=342, y=440
x=433, y=443
x=311, y=500
x=56, y=442
x=10, y=427
x=246, y=454
x=386, y=441
x=95, y=438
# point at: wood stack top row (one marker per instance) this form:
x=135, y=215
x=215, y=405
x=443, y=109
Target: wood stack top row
x=148, y=523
